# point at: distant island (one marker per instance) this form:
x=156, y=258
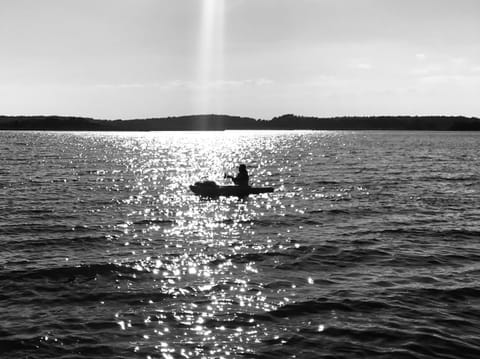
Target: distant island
x=225, y=122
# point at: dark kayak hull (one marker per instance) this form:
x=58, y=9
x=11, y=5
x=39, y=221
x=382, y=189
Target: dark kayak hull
x=227, y=191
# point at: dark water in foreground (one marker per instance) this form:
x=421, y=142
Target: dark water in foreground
x=369, y=248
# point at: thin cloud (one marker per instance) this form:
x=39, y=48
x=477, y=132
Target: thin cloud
x=365, y=66
x=452, y=78
x=195, y=85
x=428, y=69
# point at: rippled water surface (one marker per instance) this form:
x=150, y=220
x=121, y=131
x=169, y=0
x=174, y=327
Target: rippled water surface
x=368, y=248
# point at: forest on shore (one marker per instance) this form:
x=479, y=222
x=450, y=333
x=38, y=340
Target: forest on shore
x=225, y=122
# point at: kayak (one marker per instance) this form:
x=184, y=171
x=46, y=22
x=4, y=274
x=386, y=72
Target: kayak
x=213, y=190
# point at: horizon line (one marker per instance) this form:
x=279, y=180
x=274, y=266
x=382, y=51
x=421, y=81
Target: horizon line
x=239, y=116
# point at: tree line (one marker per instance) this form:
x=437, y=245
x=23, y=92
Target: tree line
x=225, y=122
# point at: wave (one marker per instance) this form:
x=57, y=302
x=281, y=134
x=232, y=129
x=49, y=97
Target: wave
x=62, y=241
x=35, y=346
x=322, y=305
x=444, y=295
x=252, y=257
x=372, y=342
x=67, y=272
x=426, y=260
x=459, y=178
x=414, y=329
x=47, y=228
x=417, y=232
x=149, y=222
x=335, y=256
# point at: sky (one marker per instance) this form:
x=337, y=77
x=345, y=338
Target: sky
x=260, y=58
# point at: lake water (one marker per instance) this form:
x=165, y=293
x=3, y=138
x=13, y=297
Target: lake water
x=368, y=248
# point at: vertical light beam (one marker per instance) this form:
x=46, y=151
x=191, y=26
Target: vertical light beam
x=210, y=73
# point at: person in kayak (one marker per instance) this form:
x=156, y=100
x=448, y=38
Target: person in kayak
x=241, y=179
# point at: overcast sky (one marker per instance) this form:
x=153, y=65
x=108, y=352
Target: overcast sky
x=259, y=58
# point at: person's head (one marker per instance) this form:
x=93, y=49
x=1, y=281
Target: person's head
x=242, y=168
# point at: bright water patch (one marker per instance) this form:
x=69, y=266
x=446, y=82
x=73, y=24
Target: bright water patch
x=368, y=248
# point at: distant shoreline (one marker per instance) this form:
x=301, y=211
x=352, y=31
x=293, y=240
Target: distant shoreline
x=225, y=122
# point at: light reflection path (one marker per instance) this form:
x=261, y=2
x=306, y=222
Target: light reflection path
x=197, y=264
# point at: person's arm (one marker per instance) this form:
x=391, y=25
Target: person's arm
x=234, y=179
